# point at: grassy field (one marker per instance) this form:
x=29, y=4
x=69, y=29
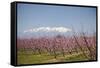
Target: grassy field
x=25, y=58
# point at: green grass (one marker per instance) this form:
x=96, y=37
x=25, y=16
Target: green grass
x=24, y=58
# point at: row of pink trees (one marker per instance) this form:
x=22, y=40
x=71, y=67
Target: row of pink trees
x=60, y=45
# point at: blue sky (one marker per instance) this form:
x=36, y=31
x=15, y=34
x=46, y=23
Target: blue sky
x=32, y=16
